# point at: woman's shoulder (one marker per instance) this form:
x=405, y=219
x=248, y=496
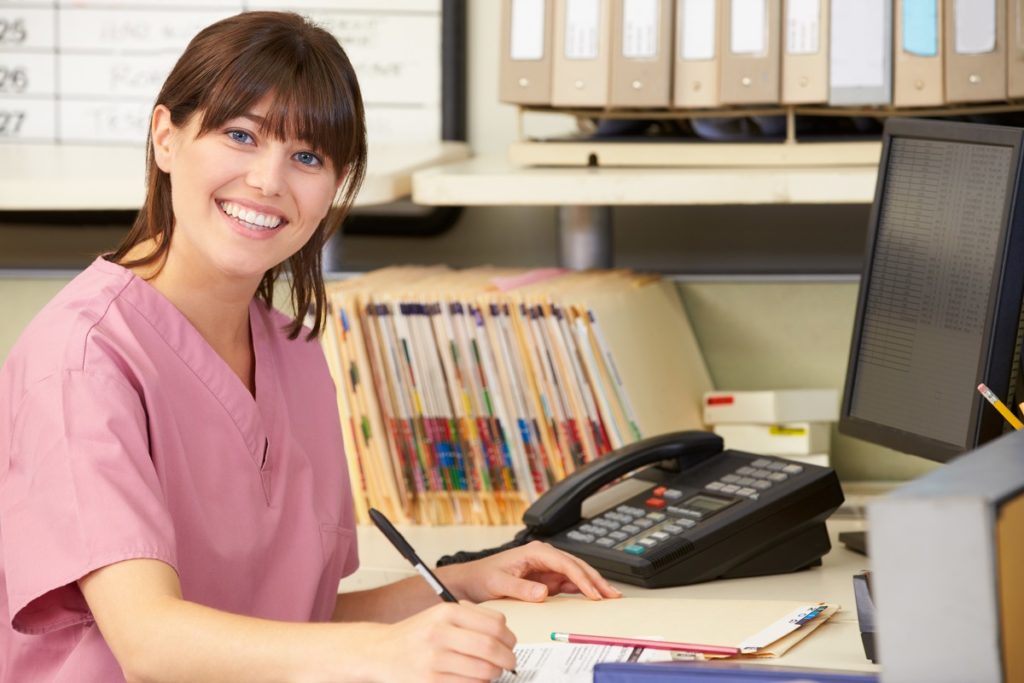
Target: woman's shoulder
x=60, y=334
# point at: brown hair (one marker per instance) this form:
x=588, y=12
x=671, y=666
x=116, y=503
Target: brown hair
x=227, y=68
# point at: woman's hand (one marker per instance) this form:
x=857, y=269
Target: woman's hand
x=530, y=572
x=447, y=642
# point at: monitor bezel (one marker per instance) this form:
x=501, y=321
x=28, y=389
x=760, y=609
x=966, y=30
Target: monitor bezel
x=1004, y=306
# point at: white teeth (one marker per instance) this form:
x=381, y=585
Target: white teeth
x=260, y=220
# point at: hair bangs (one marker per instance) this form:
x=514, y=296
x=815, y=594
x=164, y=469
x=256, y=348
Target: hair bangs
x=309, y=101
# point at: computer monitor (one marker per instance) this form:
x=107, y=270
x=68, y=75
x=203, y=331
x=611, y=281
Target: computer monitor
x=939, y=309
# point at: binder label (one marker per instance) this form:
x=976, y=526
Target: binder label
x=748, y=32
x=527, y=31
x=803, y=23
x=975, y=26
x=697, y=30
x=921, y=27
x=640, y=29
x=582, y=24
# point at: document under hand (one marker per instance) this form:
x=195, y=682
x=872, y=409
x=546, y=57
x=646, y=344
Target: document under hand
x=544, y=662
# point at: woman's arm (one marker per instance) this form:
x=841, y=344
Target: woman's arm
x=158, y=636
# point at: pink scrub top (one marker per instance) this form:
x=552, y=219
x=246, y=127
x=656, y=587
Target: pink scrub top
x=123, y=435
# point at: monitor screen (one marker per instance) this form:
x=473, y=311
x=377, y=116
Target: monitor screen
x=939, y=308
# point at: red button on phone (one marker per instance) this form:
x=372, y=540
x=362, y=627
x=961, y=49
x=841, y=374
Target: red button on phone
x=659, y=491
x=655, y=503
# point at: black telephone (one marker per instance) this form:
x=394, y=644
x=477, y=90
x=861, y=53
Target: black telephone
x=702, y=513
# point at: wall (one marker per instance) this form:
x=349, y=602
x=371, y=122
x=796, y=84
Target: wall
x=754, y=333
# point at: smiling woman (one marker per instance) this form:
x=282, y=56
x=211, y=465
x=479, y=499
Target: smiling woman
x=174, y=500
x=305, y=89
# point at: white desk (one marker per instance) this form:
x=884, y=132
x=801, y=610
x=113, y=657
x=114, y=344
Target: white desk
x=836, y=644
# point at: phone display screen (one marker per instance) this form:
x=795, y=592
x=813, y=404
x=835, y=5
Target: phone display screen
x=707, y=504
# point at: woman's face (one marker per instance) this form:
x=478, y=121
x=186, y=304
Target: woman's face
x=243, y=201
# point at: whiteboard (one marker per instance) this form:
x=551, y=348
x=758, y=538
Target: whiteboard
x=88, y=71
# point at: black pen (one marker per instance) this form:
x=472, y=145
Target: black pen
x=402, y=545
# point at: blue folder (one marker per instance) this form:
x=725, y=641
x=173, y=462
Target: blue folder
x=720, y=672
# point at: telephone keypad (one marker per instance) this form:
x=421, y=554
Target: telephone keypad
x=666, y=514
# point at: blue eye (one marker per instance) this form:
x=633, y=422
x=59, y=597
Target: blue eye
x=308, y=159
x=240, y=136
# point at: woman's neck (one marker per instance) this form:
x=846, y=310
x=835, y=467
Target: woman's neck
x=216, y=306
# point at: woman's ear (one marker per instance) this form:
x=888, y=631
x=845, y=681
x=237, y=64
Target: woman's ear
x=161, y=131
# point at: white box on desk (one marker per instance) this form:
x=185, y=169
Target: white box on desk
x=771, y=407
x=792, y=438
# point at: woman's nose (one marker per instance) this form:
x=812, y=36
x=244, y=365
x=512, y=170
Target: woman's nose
x=267, y=173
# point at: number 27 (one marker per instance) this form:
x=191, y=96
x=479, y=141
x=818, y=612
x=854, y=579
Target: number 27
x=10, y=122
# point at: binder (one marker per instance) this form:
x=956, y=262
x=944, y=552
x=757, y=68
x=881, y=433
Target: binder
x=524, y=75
x=751, y=59
x=696, y=54
x=641, y=51
x=860, y=59
x=805, y=52
x=581, y=63
x=975, y=50
x=918, y=79
x=1015, y=49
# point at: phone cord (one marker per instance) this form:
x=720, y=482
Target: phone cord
x=523, y=537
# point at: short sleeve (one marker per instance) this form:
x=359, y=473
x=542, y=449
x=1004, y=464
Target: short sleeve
x=81, y=493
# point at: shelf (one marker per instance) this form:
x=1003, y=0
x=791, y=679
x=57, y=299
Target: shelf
x=496, y=182
x=39, y=177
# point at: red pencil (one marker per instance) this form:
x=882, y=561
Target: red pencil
x=639, y=642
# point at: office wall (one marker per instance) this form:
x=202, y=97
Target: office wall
x=754, y=333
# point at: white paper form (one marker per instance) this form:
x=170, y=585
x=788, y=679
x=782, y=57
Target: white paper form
x=527, y=36
x=974, y=22
x=568, y=663
x=697, y=28
x=748, y=34
x=640, y=28
x=858, y=53
x=803, y=22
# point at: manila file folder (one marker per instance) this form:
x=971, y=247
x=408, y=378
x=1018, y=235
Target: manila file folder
x=760, y=628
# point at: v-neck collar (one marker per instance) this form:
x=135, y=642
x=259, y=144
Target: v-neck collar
x=248, y=412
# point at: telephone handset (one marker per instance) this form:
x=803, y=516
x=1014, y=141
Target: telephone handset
x=560, y=506
x=702, y=512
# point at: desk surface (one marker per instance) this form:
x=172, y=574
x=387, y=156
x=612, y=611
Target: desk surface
x=836, y=645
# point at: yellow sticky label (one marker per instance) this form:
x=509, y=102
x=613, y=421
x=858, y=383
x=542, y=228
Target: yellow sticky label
x=782, y=430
